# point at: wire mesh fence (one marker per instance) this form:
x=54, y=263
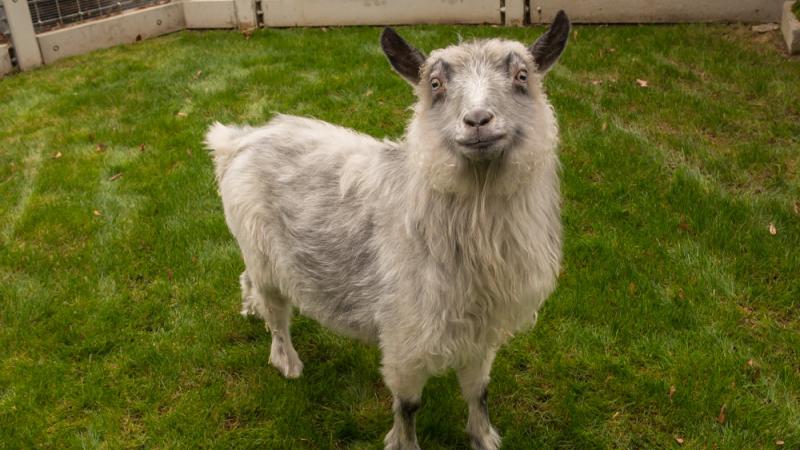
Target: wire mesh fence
x=49, y=14
x=5, y=33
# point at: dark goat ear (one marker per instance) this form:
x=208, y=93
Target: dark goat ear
x=549, y=46
x=405, y=59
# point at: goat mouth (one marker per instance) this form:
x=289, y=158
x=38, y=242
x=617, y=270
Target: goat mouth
x=482, y=148
x=481, y=142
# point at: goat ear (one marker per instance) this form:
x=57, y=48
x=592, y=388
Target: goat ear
x=551, y=44
x=405, y=59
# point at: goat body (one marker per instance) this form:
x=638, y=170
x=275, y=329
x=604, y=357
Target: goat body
x=436, y=256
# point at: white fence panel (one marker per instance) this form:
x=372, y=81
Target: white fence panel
x=127, y=27
x=288, y=13
x=658, y=11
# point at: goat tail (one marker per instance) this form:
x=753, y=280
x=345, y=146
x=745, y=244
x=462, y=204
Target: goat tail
x=224, y=144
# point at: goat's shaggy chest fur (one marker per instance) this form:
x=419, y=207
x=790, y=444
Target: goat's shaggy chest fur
x=437, y=247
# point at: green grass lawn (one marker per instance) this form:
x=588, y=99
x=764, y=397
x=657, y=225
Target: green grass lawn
x=119, y=295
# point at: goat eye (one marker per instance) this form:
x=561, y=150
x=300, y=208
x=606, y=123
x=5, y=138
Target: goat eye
x=435, y=84
x=522, y=76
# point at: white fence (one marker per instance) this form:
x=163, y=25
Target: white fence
x=42, y=31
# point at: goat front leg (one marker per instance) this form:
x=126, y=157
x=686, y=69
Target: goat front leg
x=406, y=384
x=474, y=381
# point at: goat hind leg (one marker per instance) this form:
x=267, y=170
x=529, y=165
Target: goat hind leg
x=276, y=311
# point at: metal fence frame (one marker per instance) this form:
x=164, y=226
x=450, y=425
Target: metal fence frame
x=50, y=14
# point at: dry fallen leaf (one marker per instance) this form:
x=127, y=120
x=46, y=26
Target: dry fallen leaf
x=750, y=362
x=115, y=177
x=169, y=274
x=681, y=294
x=679, y=440
x=765, y=27
x=615, y=415
x=141, y=147
x=597, y=82
x=797, y=207
x=182, y=114
x=100, y=147
x=779, y=442
x=641, y=83
x=97, y=213
x=57, y=155
x=671, y=392
x=368, y=93
x=197, y=74
x=772, y=230
x=721, y=416
x=632, y=288
x=605, y=126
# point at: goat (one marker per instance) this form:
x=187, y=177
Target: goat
x=437, y=247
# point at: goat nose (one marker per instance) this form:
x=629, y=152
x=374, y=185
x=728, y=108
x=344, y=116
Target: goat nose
x=478, y=117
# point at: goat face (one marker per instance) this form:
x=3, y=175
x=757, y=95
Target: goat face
x=482, y=101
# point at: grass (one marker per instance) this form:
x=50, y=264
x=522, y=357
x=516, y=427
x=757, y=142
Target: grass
x=119, y=322
x=796, y=9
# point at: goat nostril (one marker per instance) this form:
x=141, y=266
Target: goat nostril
x=478, y=117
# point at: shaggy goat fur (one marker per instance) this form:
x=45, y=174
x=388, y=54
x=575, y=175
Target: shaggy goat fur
x=437, y=247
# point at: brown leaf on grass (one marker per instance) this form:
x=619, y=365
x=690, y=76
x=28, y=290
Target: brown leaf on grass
x=141, y=147
x=597, y=82
x=681, y=294
x=671, y=392
x=765, y=27
x=641, y=83
x=604, y=127
x=632, y=288
x=750, y=363
x=779, y=442
x=97, y=213
x=182, y=114
x=772, y=230
x=679, y=440
x=115, y=177
x=615, y=415
x=683, y=224
x=721, y=416
x=368, y=93
x=100, y=147
x=797, y=207
x=57, y=155
x=197, y=74
x=170, y=274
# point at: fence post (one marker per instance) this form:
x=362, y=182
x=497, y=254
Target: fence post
x=515, y=13
x=245, y=14
x=26, y=47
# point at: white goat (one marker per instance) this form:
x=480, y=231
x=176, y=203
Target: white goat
x=437, y=247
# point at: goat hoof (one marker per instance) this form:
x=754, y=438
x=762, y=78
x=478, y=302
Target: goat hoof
x=286, y=361
x=487, y=441
x=394, y=442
